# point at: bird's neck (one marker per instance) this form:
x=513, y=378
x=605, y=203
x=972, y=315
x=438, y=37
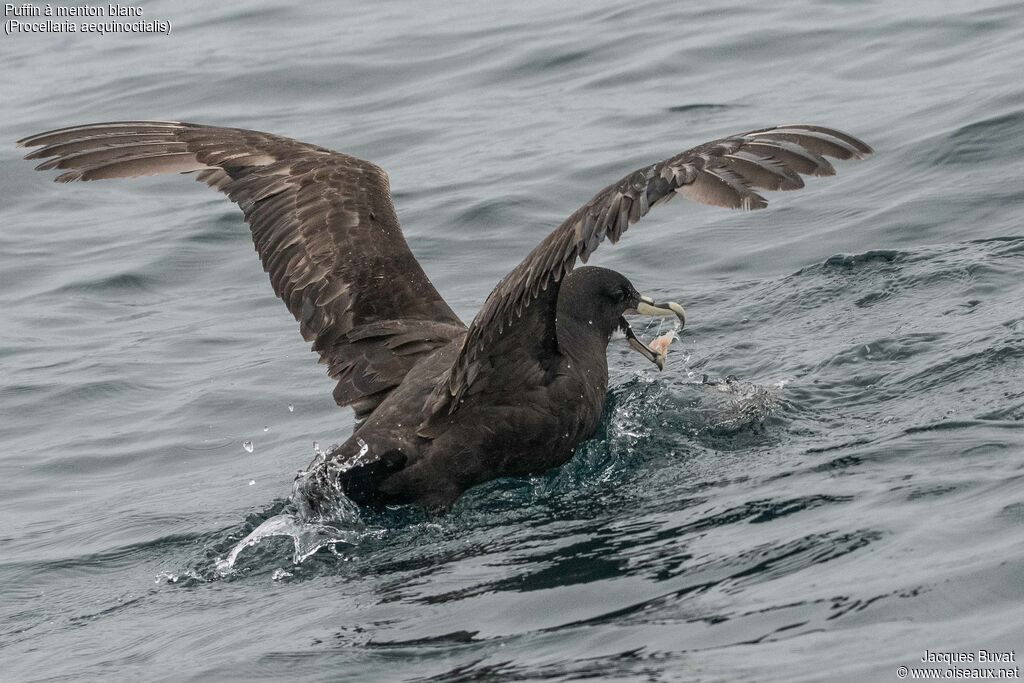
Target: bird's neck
x=583, y=372
x=580, y=340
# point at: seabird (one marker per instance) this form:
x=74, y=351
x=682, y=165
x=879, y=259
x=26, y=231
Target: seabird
x=440, y=406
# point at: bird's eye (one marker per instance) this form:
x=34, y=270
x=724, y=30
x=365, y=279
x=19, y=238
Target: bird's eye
x=618, y=296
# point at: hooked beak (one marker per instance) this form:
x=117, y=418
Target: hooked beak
x=647, y=306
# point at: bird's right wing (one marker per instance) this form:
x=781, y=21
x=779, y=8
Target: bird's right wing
x=722, y=172
x=322, y=222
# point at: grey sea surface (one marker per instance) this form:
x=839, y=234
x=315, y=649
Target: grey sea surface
x=852, y=497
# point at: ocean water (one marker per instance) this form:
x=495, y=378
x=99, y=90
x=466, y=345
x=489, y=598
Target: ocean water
x=826, y=481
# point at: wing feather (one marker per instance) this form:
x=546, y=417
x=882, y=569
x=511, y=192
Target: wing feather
x=721, y=173
x=322, y=223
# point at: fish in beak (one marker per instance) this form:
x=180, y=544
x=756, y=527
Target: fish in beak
x=647, y=306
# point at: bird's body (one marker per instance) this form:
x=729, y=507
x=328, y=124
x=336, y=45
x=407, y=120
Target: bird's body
x=544, y=393
x=441, y=406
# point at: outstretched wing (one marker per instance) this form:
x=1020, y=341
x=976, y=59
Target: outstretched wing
x=322, y=222
x=722, y=172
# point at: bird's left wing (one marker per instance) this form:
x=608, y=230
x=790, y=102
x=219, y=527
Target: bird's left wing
x=322, y=222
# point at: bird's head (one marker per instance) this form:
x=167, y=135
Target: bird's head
x=593, y=302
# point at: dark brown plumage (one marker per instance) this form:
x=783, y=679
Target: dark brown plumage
x=442, y=407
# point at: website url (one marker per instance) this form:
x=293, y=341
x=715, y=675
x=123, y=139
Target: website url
x=989, y=673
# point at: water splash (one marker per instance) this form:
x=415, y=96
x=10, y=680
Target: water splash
x=317, y=495
x=306, y=539
x=171, y=578
x=319, y=516
x=247, y=445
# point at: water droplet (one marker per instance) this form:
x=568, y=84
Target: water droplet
x=266, y=428
x=252, y=482
x=316, y=448
x=247, y=445
x=364, y=447
x=291, y=408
